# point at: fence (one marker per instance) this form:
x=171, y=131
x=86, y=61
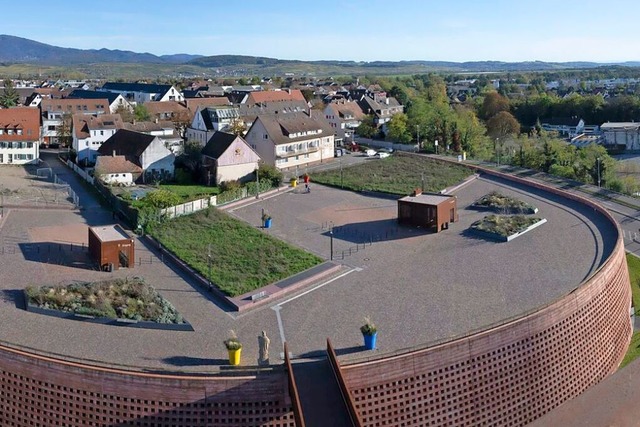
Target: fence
x=84, y=175
x=189, y=207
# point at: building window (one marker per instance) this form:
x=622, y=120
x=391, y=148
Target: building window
x=19, y=131
x=265, y=136
x=9, y=131
x=101, y=132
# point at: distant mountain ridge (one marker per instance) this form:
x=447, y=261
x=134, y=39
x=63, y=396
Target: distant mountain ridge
x=20, y=50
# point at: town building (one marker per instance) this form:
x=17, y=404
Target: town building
x=139, y=93
x=57, y=116
x=19, y=135
x=90, y=132
x=227, y=157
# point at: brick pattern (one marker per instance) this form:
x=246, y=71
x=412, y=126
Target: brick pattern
x=35, y=392
x=512, y=374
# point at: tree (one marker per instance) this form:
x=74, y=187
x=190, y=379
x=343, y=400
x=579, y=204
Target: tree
x=397, y=129
x=367, y=128
x=181, y=122
x=64, y=130
x=493, y=104
x=502, y=124
x=237, y=127
x=162, y=198
x=191, y=157
x=271, y=173
x=9, y=97
x=141, y=113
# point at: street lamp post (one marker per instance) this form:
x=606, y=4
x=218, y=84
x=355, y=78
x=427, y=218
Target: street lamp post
x=497, y=152
x=331, y=242
x=341, y=177
x=598, y=166
x=436, y=145
x=257, y=183
x=209, y=259
x=418, y=137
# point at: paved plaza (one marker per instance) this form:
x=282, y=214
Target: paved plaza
x=418, y=287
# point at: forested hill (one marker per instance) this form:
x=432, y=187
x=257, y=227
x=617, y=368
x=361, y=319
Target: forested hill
x=24, y=51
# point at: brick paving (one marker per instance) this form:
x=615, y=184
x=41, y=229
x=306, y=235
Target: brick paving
x=419, y=288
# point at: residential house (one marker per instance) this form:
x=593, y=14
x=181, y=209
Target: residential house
x=140, y=93
x=19, y=135
x=209, y=120
x=564, y=126
x=163, y=129
x=266, y=96
x=195, y=103
x=381, y=107
x=90, y=132
x=292, y=140
x=344, y=117
x=115, y=100
x=144, y=150
x=622, y=133
x=57, y=115
x=228, y=157
x=117, y=170
x=168, y=110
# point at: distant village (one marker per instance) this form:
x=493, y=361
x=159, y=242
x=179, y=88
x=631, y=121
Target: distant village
x=133, y=132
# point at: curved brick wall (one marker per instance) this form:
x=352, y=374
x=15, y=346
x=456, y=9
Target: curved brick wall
x=512, y=374
x=37, y=391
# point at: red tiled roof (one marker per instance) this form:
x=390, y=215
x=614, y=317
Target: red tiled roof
x=23, y=119
x=193, y=103
x=83, y=123
x=116, y=164
x=71, y=105
x=274, y=96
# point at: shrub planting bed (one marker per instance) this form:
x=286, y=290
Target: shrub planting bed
x=500, y=203
x=120, y=299
x=505, y=227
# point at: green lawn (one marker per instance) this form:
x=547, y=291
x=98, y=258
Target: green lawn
x=191, y=192
x=243, y=257
x=398, y=174
x=634, y=275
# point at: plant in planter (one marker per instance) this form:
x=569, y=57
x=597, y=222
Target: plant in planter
x=234, y=347
x=266, y=220
x=370, y=334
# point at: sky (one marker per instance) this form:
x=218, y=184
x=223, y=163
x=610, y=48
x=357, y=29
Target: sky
x=369, y=30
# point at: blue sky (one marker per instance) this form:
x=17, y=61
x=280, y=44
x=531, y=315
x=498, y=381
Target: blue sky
x=462, y=30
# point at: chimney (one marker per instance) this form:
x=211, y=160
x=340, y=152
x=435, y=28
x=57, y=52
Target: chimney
x=417, y=192
x=114, y=153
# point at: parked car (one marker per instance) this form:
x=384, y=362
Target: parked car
x=370, y=153
x=382, y=155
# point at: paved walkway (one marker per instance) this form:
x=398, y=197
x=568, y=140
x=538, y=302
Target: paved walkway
x=449, y=281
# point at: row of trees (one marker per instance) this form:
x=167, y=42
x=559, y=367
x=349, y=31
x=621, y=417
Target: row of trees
x=487, y=129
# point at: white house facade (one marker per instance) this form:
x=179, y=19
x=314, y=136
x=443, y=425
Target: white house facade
x=90, y=132
x=19, y=136
x=292, y=141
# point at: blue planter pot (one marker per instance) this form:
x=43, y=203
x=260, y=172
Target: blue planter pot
x=267, y=223
x=370, y=341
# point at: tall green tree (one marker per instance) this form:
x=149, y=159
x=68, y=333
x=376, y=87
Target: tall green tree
x=397, y=129
x=141, y=113
x=9, y=97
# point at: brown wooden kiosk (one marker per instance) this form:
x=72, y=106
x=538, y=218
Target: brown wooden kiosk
x=434, y=211
x=111, y=247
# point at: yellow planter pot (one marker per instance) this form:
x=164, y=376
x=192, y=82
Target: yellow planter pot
x=234, y=357
x=294, y=183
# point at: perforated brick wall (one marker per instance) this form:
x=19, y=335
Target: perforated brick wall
x=512, y=374
x=35, y=392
